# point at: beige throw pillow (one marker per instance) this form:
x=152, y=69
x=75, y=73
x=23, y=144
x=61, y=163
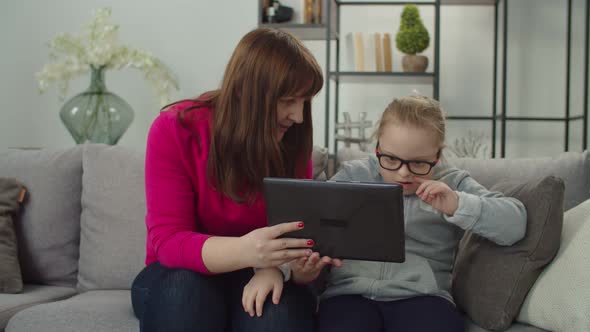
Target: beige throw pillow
x=560, y=299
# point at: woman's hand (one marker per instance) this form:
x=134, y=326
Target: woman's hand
x=438, y=195
x=306, y=269
x=262, y=283
x=261, y=247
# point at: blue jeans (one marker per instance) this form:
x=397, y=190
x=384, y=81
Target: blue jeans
x=418, y=314
x=173, y=300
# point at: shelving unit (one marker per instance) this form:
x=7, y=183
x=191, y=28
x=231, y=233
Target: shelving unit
x=304, y=31
x=330, y=32
x=340, y=77
x=568, y=117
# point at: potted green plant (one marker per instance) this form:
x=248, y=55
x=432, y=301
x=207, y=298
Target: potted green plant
x=411, y=39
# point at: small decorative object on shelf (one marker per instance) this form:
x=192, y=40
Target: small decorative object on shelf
x=348, y=125
x=411, y=39
x=471, y=146
x=97, y=115
x=277, y=13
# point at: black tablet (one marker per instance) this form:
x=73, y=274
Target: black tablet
x=347, y=220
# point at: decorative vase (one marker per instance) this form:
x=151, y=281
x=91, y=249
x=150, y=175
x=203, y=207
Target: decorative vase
x=414, y=63
x=96, y=115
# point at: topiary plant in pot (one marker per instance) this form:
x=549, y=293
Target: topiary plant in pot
x=412, y=38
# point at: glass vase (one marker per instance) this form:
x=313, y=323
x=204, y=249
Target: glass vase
x=96, y=115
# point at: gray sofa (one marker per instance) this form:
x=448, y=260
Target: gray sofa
x=82, y=235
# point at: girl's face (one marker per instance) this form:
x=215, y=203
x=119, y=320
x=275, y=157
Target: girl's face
x=289, y=112
x=416, y=149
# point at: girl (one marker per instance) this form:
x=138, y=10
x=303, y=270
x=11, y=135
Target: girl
x=206, y=218
x=440, y=203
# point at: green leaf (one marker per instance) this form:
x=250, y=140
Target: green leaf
x=412, y=36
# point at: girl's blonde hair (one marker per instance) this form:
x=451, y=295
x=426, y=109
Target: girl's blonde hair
x=419, y=111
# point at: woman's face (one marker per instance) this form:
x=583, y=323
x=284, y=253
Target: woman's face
x=289, y=112
x=407, y=143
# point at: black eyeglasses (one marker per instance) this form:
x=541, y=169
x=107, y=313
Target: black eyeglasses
x=393, y=163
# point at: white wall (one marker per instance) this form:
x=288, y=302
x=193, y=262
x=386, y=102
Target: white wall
x=195, y=38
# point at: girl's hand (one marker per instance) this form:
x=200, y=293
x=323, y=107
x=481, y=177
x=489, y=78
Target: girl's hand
x=261, y=247
x=262, y=283
x=306, y=269
x=438, y=195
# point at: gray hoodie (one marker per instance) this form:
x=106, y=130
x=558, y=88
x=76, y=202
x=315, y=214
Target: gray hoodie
x=431, y=237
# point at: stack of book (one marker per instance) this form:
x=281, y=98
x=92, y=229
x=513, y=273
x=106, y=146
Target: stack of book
x=312, y=12
x=370, y=52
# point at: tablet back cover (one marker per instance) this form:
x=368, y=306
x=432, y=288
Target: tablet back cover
x=348, y=220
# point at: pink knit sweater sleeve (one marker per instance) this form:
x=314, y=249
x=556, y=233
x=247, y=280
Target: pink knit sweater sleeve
x=170, y=201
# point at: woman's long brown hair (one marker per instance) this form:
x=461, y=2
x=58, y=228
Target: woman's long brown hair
x=267, y=64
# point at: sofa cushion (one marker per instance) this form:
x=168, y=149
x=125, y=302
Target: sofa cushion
x=31, y=295
x=111, y=311
x=112, y=241
x=490, y=282
x=572, y=167
x=94, y=311
x=11, y=195
x=560, y=299
x=49, y=229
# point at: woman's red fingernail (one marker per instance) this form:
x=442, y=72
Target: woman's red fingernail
x=300, y=225
x=310, y=243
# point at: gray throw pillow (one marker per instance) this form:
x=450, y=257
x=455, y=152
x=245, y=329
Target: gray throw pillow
x=490, y=282
x=11, y=195
x=48, y=230
x=113, y=232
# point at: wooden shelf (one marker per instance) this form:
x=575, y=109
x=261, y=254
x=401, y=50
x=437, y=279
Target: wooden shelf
x=382, y=77
x=383, y=3
x=469, y=2
x=378, y=73
x=303, y=31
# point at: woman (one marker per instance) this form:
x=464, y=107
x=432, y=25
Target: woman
x=211, y=259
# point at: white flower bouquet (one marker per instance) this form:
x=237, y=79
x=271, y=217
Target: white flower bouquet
x=99, y=49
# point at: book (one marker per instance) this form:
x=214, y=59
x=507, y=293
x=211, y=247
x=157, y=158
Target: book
x=387, y=60
x=359, y=52
x=317, y=11
x=378, y=52
x=308, y=16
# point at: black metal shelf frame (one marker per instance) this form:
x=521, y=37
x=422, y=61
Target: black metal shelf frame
x=337, y=73
x=496, y=116
x=326, y=32
x=568, y=117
